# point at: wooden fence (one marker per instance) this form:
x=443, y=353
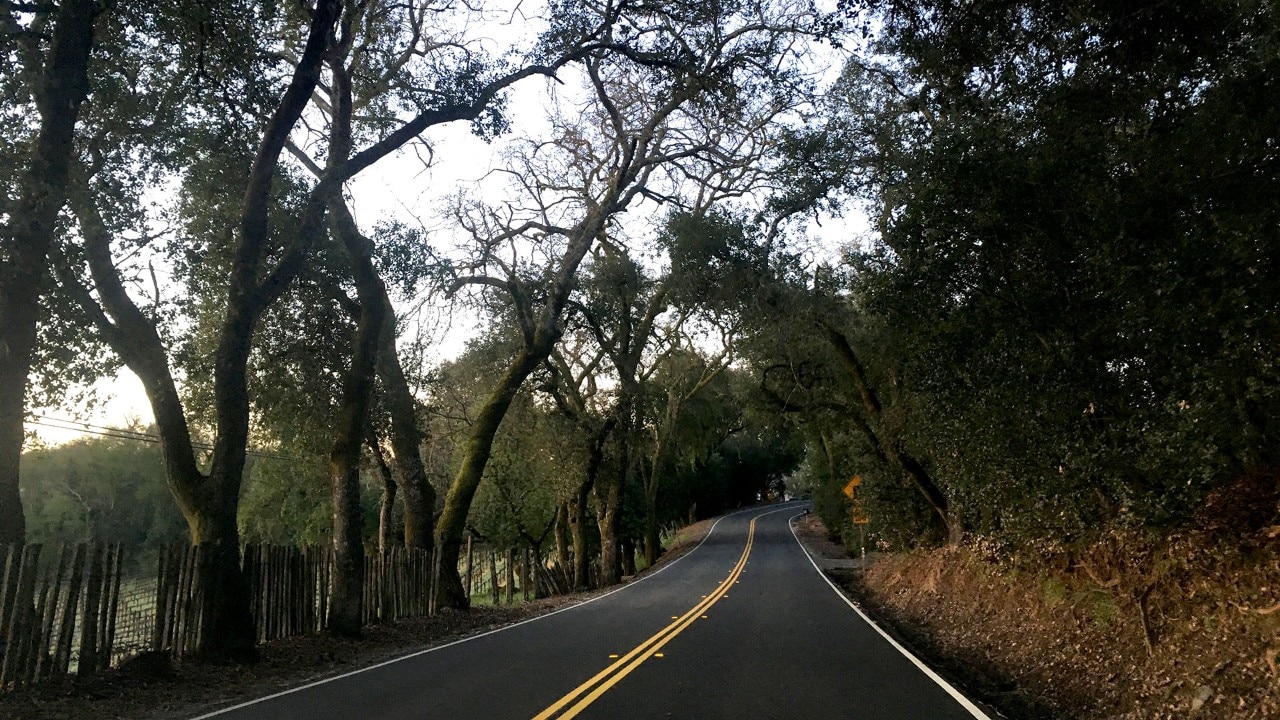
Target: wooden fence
x=57, y=617
x=64, y=613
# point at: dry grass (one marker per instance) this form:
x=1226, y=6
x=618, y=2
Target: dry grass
x=1130, y=626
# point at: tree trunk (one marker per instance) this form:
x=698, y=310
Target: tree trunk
x=610, y=544
x=955, y=524
x=406, y=439
x=64, y=85
x=228, y=632
x=629, y=556
x=564, y=551
x=458, y=501
x=609, y=516
x=578, y=532
x=345, y=608
x=226, y=625
x=387, y=506
x=652, y=533
x=345, y=603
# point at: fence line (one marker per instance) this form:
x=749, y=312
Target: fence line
x=45, y=627
x=72, y=610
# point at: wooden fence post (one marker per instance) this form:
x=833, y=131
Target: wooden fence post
x=8, y=585
x=493, y=575
x=470, y=564
x=110, y=599
x=529, y=580
x=44, y=657
x=18, y=618
x=27, y=671
x=67, y=628
x=89, y=627
x=435, y=580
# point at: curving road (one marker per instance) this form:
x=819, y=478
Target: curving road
x=744, y=626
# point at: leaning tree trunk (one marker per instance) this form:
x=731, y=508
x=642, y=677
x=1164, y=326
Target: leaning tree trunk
x=63, y=87
x=457, y=504
x=920, y=478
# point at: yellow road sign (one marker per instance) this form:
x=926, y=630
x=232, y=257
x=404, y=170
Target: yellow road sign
x=850, y=488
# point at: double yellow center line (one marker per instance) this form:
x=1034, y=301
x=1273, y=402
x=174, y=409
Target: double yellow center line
x=586, y=693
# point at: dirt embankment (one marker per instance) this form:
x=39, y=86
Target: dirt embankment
x=1131, y=626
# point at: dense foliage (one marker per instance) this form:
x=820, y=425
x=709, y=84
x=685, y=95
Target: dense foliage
x=1069, y=301
x=1063, y=314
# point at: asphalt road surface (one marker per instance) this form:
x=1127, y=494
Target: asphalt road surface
x=742, y=627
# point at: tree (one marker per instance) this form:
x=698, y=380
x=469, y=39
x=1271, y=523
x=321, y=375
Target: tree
x=670, y=89
x=682, y=418
x=277, y=224
x=620, y=308
x=209, y=500
x=1070, y=203
x=57, y=79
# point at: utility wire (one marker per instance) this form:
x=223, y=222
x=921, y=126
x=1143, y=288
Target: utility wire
x=85, y=428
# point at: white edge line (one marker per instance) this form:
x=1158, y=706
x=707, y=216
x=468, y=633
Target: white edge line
x=469, y=638
x=965, y=702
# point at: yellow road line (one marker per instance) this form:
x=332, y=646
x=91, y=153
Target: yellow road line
x=610, y=676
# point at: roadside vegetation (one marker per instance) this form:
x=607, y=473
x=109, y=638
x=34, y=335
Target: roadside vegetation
x=1045, y=338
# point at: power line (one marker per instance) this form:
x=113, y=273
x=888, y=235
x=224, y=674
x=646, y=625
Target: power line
x=84, y=428
x=89, y=428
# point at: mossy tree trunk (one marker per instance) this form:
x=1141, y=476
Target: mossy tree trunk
x=453, y=518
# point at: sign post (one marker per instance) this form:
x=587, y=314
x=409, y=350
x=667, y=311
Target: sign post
x=858, y=515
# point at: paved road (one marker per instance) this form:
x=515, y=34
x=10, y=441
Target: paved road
x=743, y=627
